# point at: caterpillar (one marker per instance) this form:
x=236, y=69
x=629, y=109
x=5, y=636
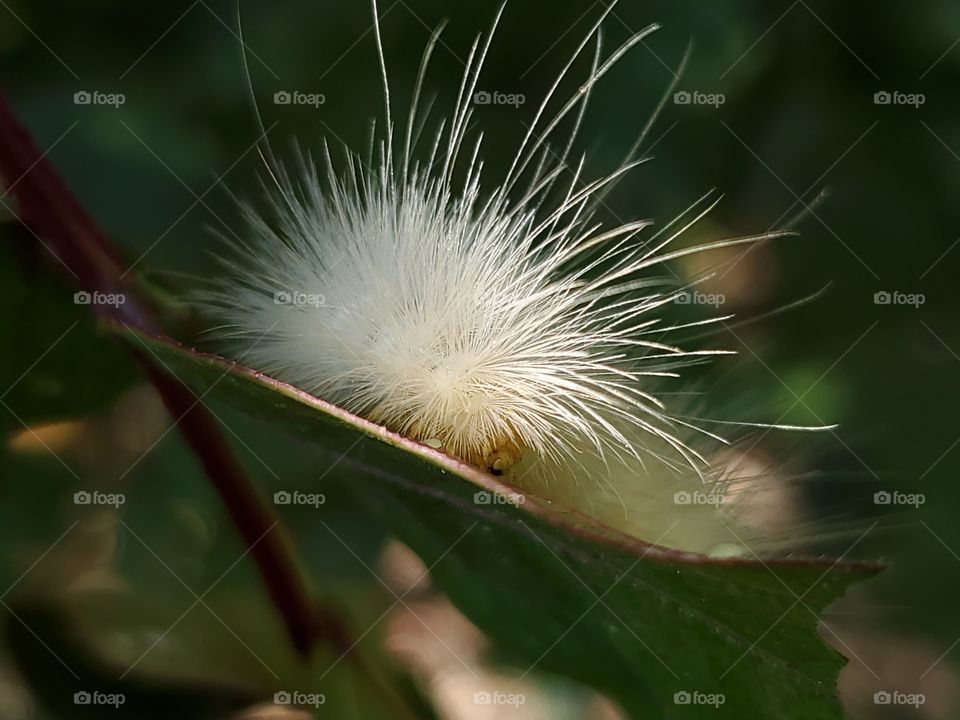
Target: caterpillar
x=499, y=321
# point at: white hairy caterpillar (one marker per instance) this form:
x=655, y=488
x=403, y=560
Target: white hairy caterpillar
x=501, y=323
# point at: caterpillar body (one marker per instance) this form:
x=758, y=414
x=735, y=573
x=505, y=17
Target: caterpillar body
x=499, y=321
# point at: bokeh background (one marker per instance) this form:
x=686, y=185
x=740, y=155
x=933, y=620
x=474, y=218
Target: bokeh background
x=796, y=135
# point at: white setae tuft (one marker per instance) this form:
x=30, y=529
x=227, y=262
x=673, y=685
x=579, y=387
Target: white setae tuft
x=500, y=321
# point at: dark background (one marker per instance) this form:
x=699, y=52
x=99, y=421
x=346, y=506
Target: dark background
x=799, y=117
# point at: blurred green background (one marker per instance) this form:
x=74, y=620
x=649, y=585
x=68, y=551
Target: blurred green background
x=800, y=115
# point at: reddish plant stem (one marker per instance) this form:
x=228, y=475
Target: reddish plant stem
x=257, y=524
x=54, y=215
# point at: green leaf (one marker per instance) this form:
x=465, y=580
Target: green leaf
x=56, y=364
x=59, y=662
x=649, y=626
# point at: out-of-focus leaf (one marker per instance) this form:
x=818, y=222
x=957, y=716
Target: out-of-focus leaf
x=55, y=363
x=111, y=652
x=73, y=682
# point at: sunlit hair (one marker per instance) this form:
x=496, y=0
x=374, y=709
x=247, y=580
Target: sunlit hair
x=499, y=321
